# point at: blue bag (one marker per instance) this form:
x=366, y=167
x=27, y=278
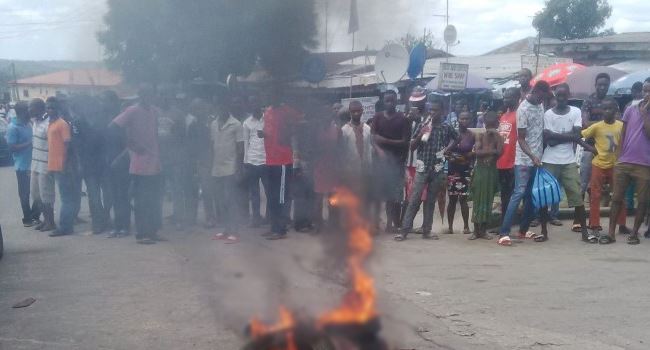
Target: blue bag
x=546, y=189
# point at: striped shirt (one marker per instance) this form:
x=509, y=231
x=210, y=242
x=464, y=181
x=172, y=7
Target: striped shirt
x=39, y=143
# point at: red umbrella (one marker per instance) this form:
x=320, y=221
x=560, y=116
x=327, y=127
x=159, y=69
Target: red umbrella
x=557, y=73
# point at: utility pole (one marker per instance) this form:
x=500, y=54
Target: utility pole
x=326, y=22
x=446, y=16
x=13, y=69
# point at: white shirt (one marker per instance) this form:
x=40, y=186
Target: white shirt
x=254, y=151
x=349, y=143
x=531, y=118
x=563, y=153
x=39, y=145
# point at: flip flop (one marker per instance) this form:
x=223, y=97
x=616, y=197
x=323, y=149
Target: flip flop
x=539, y=238
x=505, y=241
x=399, y=238
x=590, y=238
x=577, y=228
x=633, y=240
x=527, y=235
x=219, y=236
x=231, y=240
x=467, y=232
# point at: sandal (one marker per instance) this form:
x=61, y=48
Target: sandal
x=505, y=241
x=606, y=239
x=576, y=228
x=467, y=231
x=527, y=235
x=633, y=240
x=399, y=237
x=589, y=238
x=539, y=238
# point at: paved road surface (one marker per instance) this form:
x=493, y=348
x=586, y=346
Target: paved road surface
x=195, y=293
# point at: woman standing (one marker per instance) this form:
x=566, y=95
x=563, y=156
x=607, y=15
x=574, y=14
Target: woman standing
x=461, y=158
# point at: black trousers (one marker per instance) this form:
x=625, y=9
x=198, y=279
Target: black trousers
x=147, y=203
x=97, y=190
x=507, y=186
x=278, y=196
x=304, y=199
x=29, y=213
x=254, y=175
x=120, y=182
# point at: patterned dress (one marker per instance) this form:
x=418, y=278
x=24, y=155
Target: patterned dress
x=459, y=174
x=485, y=180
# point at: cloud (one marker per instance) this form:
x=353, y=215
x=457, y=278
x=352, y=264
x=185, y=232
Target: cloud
x=482, y=25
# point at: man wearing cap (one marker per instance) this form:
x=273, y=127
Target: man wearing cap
x=416, y=115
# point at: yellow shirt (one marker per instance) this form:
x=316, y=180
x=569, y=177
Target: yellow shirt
x=608, y=139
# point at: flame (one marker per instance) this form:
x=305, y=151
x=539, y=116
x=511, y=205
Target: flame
x=285, y=323
x=358, y=305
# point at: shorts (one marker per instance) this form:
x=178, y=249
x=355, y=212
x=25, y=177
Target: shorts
x=569, y=178
x=45, y=189
x=624, y=173
x=458, y=180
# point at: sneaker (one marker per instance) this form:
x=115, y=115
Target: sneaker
x=29, y=223
x=276, y=236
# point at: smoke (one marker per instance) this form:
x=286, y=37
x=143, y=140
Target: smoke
x=379, y=21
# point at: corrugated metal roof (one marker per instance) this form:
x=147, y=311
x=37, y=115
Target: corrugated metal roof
x=77, y=77
x=634, y=37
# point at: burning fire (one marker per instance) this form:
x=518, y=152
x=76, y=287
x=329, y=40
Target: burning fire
x=285, y=324
x=358, y=304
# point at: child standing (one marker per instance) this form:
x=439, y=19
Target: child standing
x=607, y=135
x=485, y=178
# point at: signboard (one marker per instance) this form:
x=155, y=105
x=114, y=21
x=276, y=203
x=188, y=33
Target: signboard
x=452, y=76
x=529, y=61
x=368, y=104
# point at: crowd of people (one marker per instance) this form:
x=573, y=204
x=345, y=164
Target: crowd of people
x=223, y=151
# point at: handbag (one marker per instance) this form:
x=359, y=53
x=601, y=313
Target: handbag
x=546, y=189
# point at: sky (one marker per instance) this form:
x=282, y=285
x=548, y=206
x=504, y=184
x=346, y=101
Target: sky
x=65, y=29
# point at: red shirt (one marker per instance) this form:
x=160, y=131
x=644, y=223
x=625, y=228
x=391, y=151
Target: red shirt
x=508, y=130
x=278, y=122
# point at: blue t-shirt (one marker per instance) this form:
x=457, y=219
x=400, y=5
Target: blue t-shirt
x=17, y=134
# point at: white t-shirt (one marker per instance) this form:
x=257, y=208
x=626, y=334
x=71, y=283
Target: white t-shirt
x=254, y=152
x=563, y=153
x=531, y=118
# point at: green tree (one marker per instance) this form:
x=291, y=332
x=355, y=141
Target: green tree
x=572, y=19
x=409, y=41
x=171, y=40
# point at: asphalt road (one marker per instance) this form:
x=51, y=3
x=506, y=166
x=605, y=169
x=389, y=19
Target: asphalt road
x=195, y=293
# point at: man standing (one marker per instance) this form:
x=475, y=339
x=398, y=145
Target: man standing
x=279, y=123
x=432, y=140
x=172, y=161
x=592, y=112
x=530, y=146
x=140, y=123
x=508, y=130
x=19, y=140
x=391, y=132
x=562, y=126
x=356, y=142
x=42, y=182
x=255, y=158
x=58, y=142
x=633, y=163
x=228, y=154
x=524, y=77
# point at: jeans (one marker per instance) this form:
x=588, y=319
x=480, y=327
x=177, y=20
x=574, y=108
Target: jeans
x=120, y=182
x=96, y=192
x=524, y=178
x=506, y=184
x=255, y=174
x=585, y=171
x=29, y=213
x=147, y=205
x=278, y=196
x=435, y=182
x=69, y=192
